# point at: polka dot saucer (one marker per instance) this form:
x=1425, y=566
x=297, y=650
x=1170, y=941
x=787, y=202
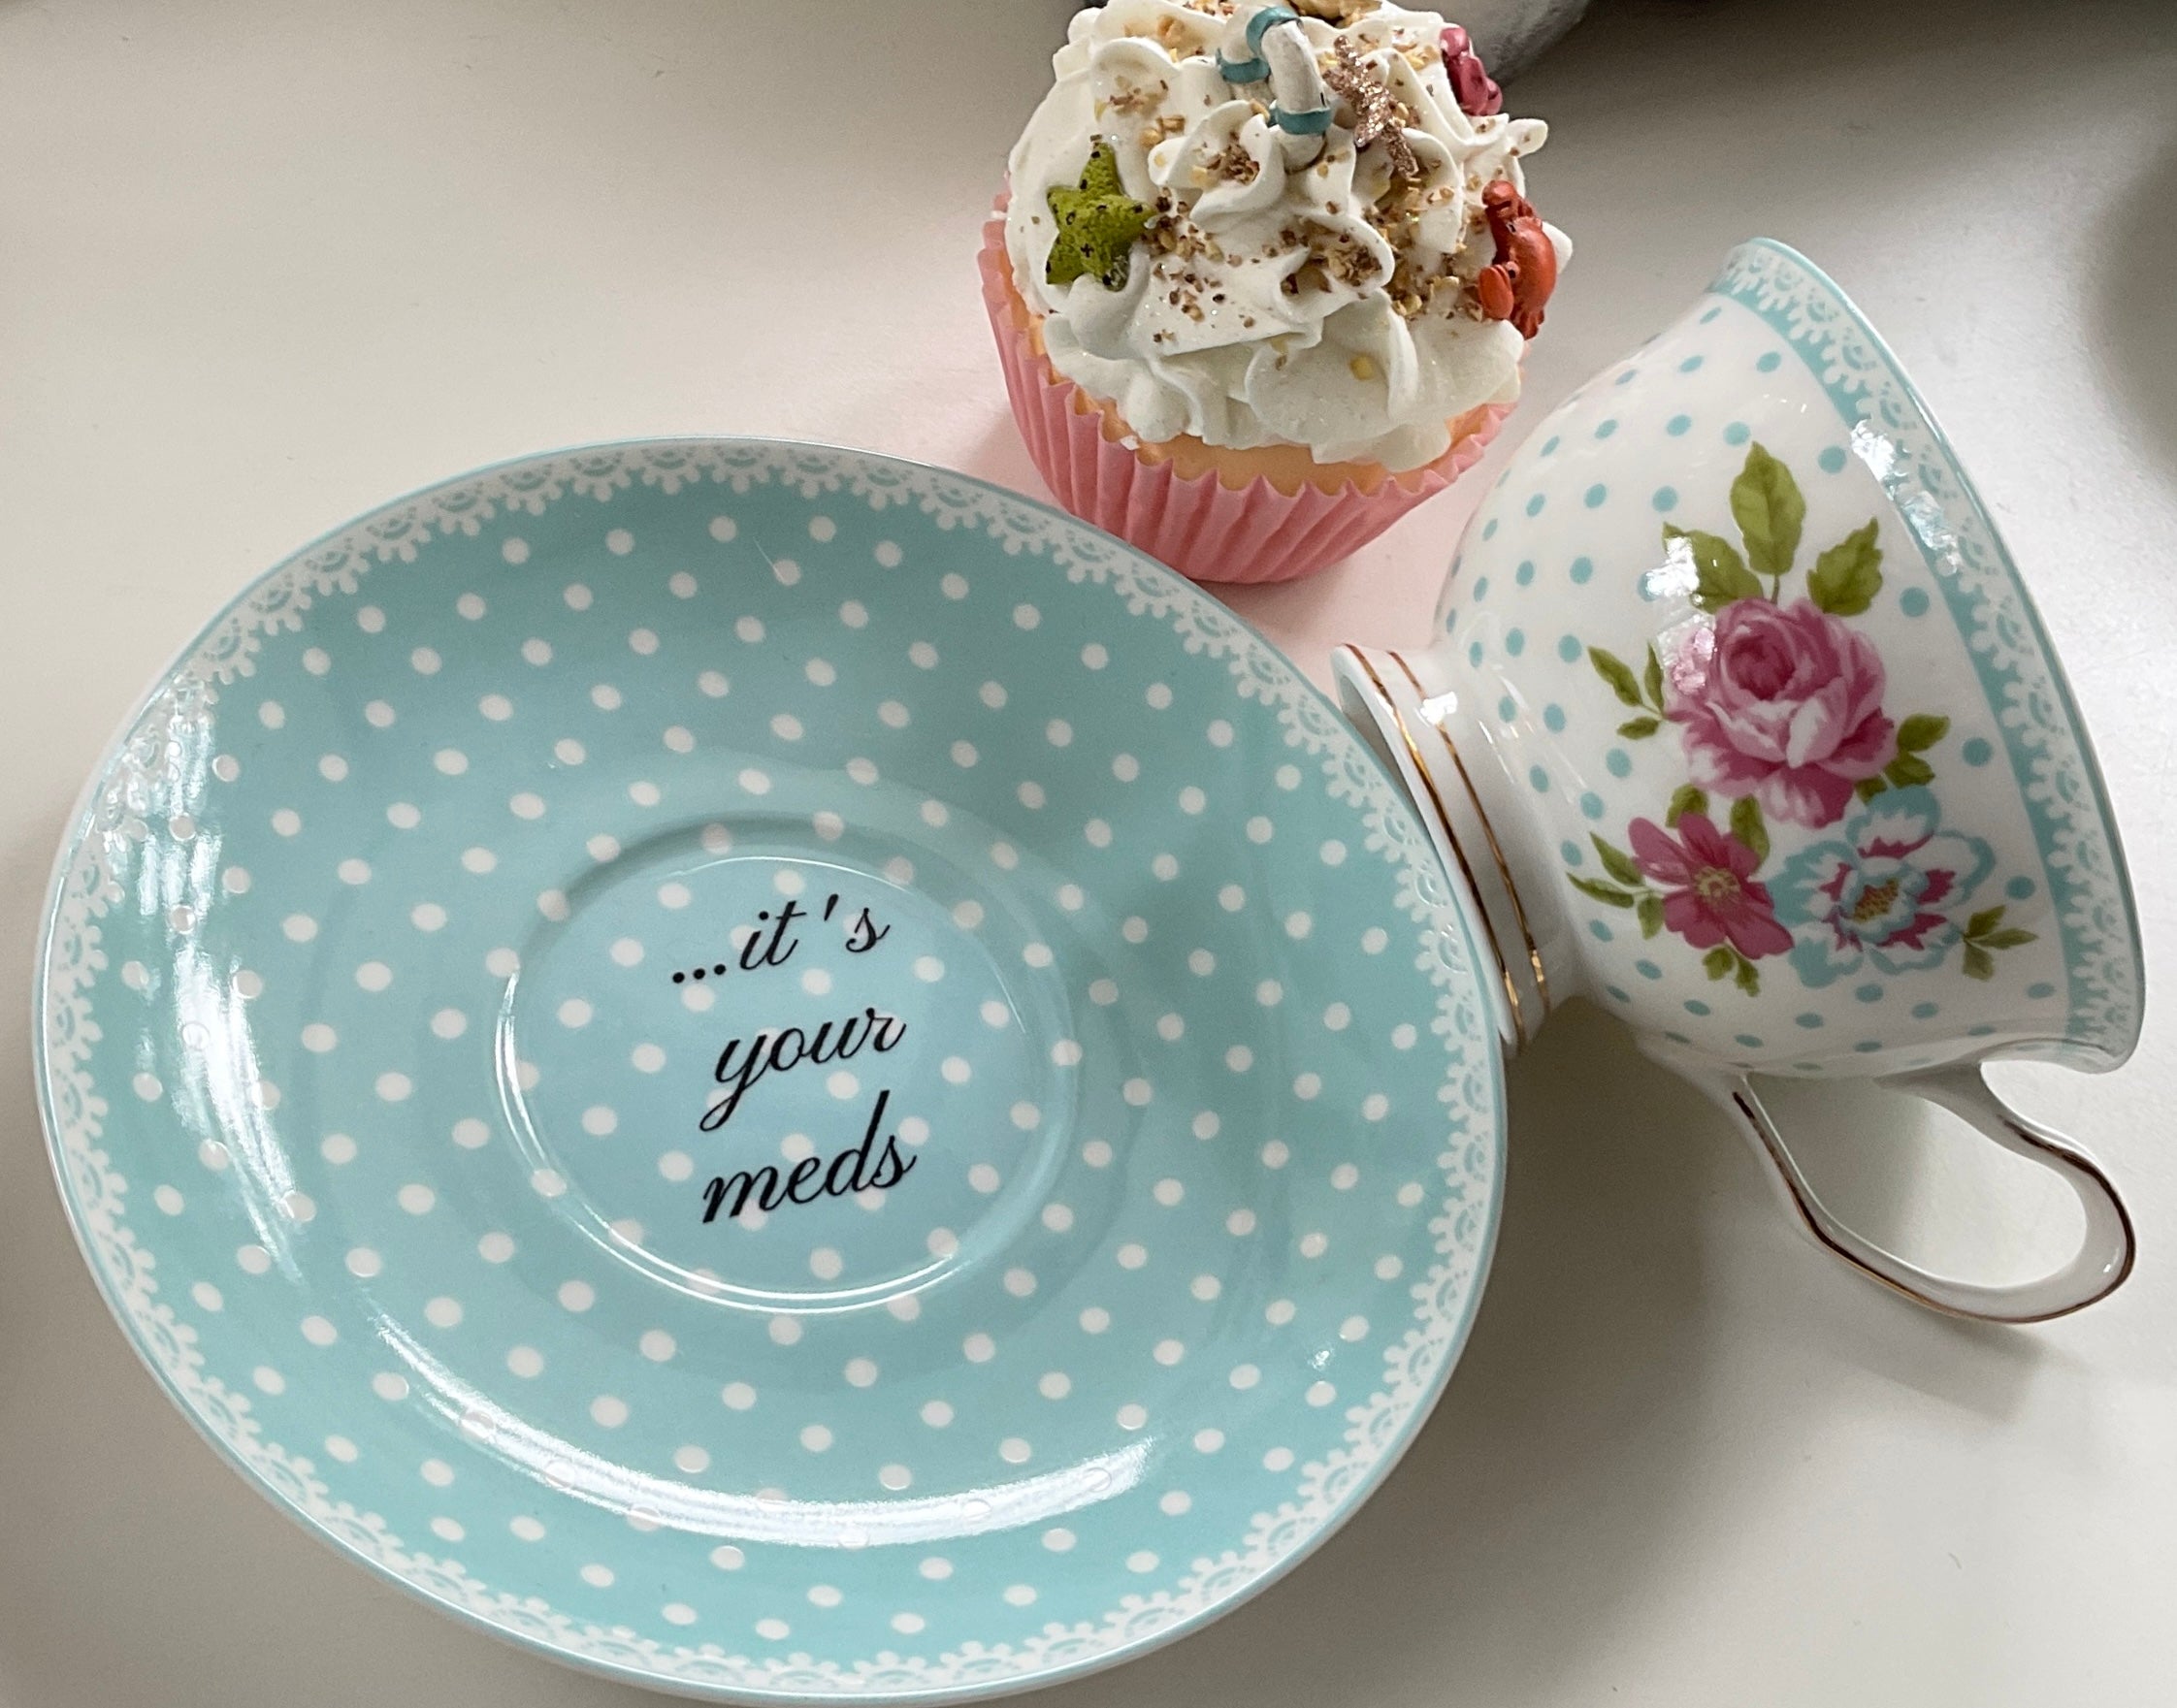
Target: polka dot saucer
x=773, y=1072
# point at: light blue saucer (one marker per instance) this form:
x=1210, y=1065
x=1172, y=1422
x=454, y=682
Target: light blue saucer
x=1106, y=1210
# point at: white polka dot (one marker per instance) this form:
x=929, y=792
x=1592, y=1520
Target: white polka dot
x=494, y=1247
x=363, y=1263
x=394, y=1087
x=936, y=1413
x=449, y=1023
x=774, y=1630
x=618, y=542
x=1058, y=1217
x=656, y=1346
x=1133, y=1416
x=443, y=1312
x=979, y=1348
x=416, y=1198
x=1168, y=1192
x=815, y=1437
x=373, y=975
x=1094, y=1320
x=785, y=1331
x=1168, y=1352
x=647, y=1058
x=470, y=1134
x=608, y=1411
x=737, y=1395
x=1132, y=1255
x=576, y=1296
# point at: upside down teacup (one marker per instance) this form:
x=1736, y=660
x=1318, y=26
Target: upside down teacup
x=1740, y=722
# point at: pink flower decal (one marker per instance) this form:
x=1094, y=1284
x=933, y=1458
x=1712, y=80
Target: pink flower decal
x=1706, y=879
x=1783, y=704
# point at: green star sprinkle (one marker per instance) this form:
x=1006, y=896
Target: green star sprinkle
x=1098, y=222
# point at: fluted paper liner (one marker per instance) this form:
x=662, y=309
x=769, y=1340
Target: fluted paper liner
x=1197, y=524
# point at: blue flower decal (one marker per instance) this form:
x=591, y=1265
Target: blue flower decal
x=1886, y=892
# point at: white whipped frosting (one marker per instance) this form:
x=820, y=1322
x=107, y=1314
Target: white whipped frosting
x=1205, y=339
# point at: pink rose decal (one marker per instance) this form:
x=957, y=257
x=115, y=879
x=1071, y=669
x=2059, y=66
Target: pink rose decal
x=1784, y=703
x=1779, y=715
x=1706, y=881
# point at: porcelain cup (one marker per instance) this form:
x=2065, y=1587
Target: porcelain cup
x=1740, y=722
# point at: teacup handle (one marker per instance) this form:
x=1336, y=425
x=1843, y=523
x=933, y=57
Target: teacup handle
x=2096, y=1270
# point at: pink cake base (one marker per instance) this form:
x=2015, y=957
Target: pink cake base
x=1202, y=528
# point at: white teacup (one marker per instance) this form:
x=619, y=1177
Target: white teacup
x=1740, y=722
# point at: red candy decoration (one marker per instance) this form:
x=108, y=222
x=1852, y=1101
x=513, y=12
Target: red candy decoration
x=1519, y=281
x=1477, y=91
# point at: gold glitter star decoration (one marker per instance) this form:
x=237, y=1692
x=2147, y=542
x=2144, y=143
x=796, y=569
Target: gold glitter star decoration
x=1098, y=222
x=1377, y=115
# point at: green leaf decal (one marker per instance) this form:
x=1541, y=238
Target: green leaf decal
x=1746, y=977
x=1979, y=963
x=1983, y=922
x=1921, y=731
x=1766, y=505
x=1618, y=864
x=1614, y=670
x=1846, y=577
x=1602, y=893
x=1746, y=825
x=1640, y=728
x=1867, y=787
x=2012, y=938
x=1719, y=962
x=1651, y=915
x=1720, y=573
x=1907, y=769
x=1652, y=680
x=1684, y=799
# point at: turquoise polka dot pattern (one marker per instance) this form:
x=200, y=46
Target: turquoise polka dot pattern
x=779, y=1073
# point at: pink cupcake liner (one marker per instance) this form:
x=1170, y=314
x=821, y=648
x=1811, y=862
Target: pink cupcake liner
x=1202, y=528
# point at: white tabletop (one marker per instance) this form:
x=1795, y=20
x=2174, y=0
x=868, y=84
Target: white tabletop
x=263, y=265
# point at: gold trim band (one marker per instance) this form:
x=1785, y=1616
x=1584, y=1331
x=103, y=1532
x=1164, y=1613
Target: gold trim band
x=1451, y=836
x=1489, y=835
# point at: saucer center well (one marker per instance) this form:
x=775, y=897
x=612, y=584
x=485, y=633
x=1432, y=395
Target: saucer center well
x=785, y=1068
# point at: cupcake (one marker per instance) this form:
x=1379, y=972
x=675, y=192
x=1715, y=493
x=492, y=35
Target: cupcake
x=1263, y=276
